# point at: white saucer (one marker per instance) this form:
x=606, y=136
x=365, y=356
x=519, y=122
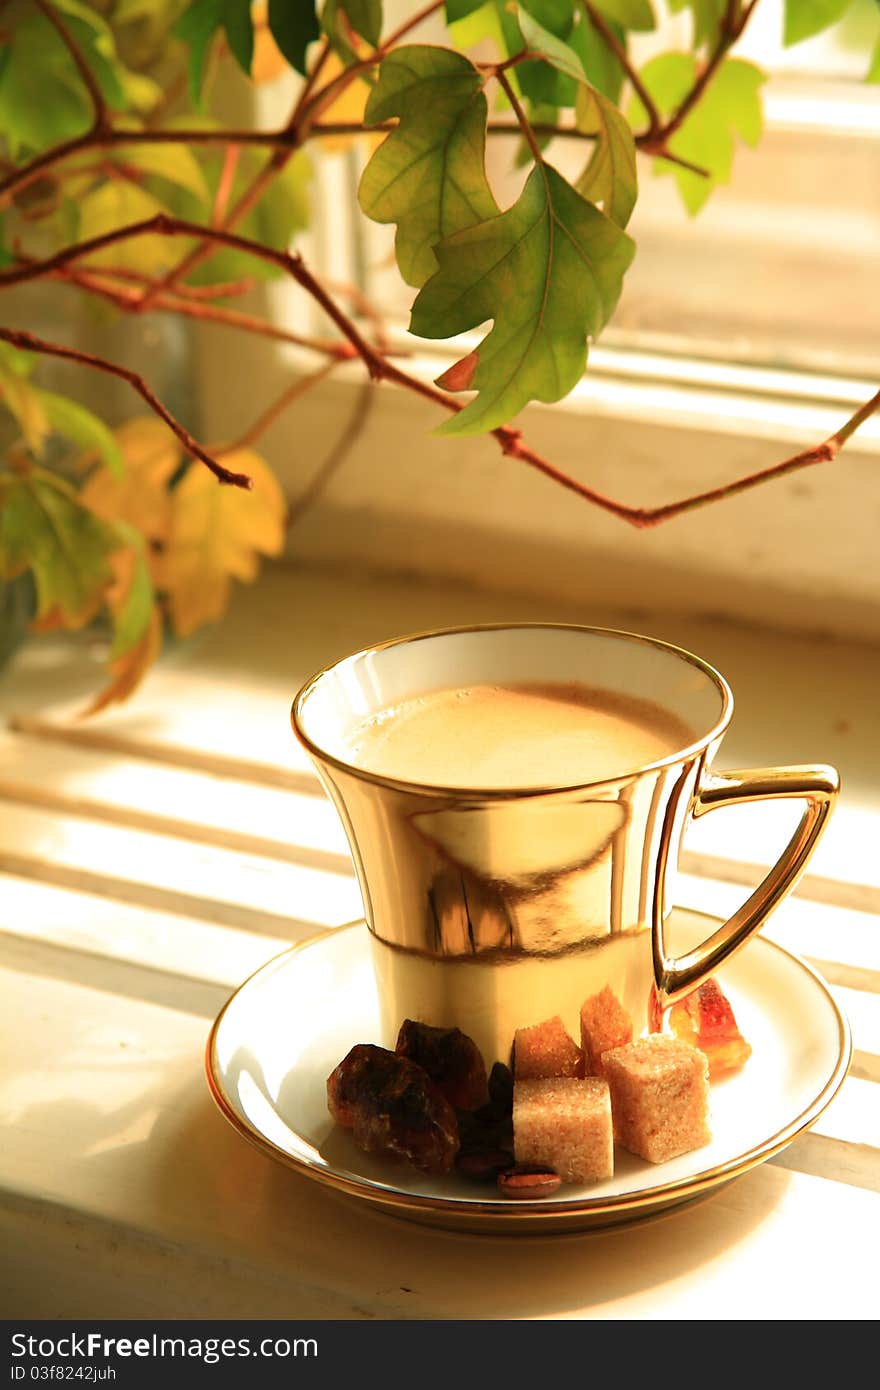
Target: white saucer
x=284, y=1030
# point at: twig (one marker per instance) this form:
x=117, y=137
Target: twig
x=99, y=108
x=612, y=42
x=380, y=368
x=729, y=31
x=336, y=456
x=356, y=297
x=572, y=133
x=228, y=289
x=29, y=342
x=277, y=408
x=95, y=282
x=312, y=108
x=224, y=185
x=521, y=117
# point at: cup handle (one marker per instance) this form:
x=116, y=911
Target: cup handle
x=818, y=787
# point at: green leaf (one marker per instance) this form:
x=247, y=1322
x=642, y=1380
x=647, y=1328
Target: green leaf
x=16, y=360
x=549, y=272
x=74, y=422
x=873, y=74
x=804, y=18
x=282, y=211
x=540, y=40
x=543, y=83
x=197, y=27
x=293, y=25
x=630, y=14
x=131, y=615
x=23, y=401
x=239, y=27
x=707, y=16
x=480, y=22
x=175, y=164
x=18, y=604
x=95, y=38
x=43, y=527
x=142, y=93
x=117, y=203
x=597, y=60
x=730, y=106
x=610, y=176
x=428, y=176
x=460, y=9
x=42, y=98
x=341, y=18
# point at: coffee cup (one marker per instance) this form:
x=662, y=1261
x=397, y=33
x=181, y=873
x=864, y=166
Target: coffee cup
x=515, y=799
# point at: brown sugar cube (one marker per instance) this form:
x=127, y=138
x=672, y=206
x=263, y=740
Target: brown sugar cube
x=605, y=1024
x=546, y=1049
x=659, y=1096
x=564, y=1123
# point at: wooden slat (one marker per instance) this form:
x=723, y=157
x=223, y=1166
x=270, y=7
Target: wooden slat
x=246, y=816
x=160, y=871
x=104, y=740
x=102, y=929
x=148, y=1166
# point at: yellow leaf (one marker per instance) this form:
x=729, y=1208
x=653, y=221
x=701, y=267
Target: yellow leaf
x=129, y=669
x=140, y=496
x=216, y=534
x=24, y=402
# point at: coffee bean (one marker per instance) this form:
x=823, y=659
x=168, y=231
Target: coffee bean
x=524, y=1182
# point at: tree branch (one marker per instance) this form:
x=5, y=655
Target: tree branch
x=612, y=42
x=99, y=108
x=29, y=342
x=380, y=368
x=96, y=282
x=566, y=132
x=522, y=119
x=729, y=31
x=288, y=396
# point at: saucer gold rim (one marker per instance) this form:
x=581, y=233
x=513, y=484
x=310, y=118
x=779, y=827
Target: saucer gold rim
x=546, y=1215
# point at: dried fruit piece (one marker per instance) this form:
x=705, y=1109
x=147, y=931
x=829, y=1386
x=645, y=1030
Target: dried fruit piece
x=705, y=1019
x=451, y=1059
x=393, y=1107
x=525, y=1182
x=501, y=1088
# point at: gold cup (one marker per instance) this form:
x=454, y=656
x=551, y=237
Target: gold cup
x=492, y=909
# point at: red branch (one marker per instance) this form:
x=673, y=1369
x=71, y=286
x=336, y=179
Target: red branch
x=31, y=343
x=99, y=109
x=380, y=368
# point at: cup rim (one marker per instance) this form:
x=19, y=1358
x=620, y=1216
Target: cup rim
x=699, y=745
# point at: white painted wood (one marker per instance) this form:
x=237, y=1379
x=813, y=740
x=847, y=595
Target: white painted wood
x=144, y=794
x=224, y=886
x=49, y=919
x=148, y=1164
x=151, y=859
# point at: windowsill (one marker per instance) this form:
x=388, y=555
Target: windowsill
x=645, y=428
x=153, y=858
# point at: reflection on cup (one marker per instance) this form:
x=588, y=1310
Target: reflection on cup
x=515, y=798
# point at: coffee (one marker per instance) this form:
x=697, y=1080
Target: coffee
x=515, y=736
